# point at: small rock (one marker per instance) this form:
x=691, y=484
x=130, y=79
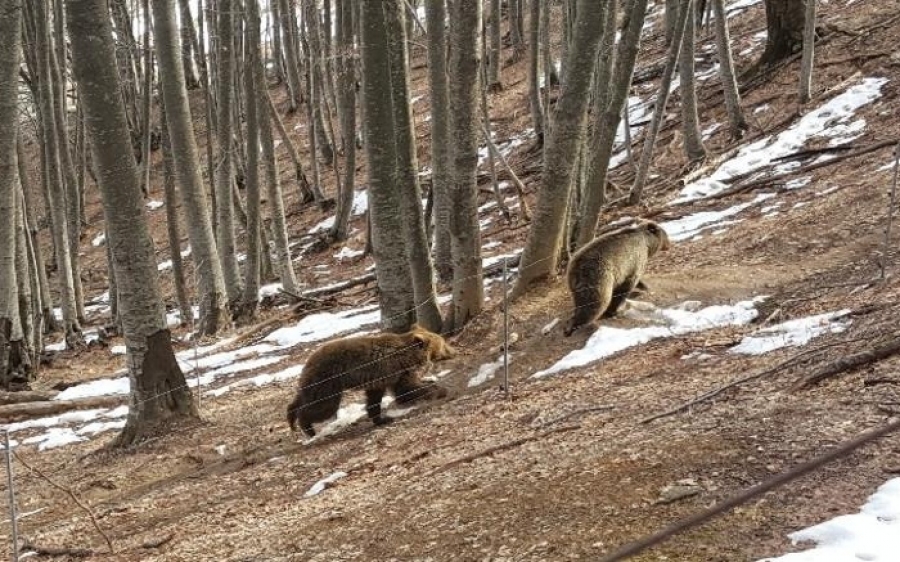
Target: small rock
x=678, y=491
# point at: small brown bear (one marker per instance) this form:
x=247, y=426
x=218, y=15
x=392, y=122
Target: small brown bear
x=374, y=363
x=608, y=270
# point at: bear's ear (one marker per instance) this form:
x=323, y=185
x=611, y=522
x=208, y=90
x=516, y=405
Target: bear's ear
x=419, y=339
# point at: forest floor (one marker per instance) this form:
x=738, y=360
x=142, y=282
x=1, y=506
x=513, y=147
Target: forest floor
x=483, y=476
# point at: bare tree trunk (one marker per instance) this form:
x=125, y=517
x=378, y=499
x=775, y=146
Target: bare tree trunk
x=225, y=235
x=385, y=210
x=173, y=230
x=435, y=18
x=541, y=253
x=291, y=45
x=126, y=56
x=665, y=87
x=211, y=285
x=693, y=139
x=534, y=89
x=736, y=120
x=784, y=26
x=347, y=113
x=147, y=101
x=44, y=316
x=494, y=83
x=809, y=48
x=306, y=193
x=159, y=393
x=465, y=233
x=672, y=7
x=606, y=123
x=15, y=366
x=56, y=192
x=188, y=41
x=31, y=334
x=516, y=30
x=277, y=52
x=252, y=71
x=421, y=269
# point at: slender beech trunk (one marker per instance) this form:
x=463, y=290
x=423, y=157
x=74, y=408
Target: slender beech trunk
x=291, y=45
x=693, y=139
x=188, y=44
x=665, y=87
x=427, y=312
x=211, y=285
x=494, y=83
x=172, y=227
x=252, y=62
x=534, y=88
x=541, y=254
x=392, y=269
x=809, y=48
x=159, y=393
x=347, y=113
x=306, y=192
x=606, y=123
x=30, y=333
x=435, y=18
x=465, y=234
x=736, y=121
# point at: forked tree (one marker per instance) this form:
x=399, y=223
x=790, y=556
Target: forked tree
x=159, y=394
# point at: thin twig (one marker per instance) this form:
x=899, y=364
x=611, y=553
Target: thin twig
x=850, y=362
x=72, y=495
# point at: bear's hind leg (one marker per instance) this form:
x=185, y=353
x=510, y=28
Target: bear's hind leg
x=373, y=406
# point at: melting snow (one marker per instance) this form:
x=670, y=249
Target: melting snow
x=320, y=486
x=265, y=379
x=607, y=340
x=792, y=333
x=692, y=225
x=873, y=534
x=346, y=253
x=830, y=120
x=99, y=240
x=486, y=372
x=153, y=205
x=360, y=205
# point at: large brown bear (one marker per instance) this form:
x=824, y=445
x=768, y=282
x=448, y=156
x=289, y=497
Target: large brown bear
x=608, y=269
x=374, y=363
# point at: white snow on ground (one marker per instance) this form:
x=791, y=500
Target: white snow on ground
x=872, y=535
x=118, y=350
x=828, y=120
x=792, y=333
x=638, y=111
x=693, y=224
x=167, y=264
x=99, y=240
x=320, y=486
x=346, y=253
x=487, y=262
x=153, y=204
x=486, y=372
x=324, y=325
x=265, y=379
x=270, y=290
x=608, y=340
x=360, y=205
x=99, y=387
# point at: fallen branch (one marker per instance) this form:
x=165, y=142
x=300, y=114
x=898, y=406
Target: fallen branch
x=497, y=268
x=750, y=493
x=72, y=495
x=849, y=363
x=26, y=410
x=57, y=551
x=25, y=396
x=737, y=382
x=300, y=298
x=158, y=542
x=501, y=447
x=338, y=287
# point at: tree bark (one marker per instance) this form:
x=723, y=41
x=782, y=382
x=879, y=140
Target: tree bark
x=784, y=24
x=385, y=211
x=211, y=286
x=347, y=113
x=317, y=82
x=188, y=44
x=494, y=83
x=291, y=45
x=435, y=21
x=421, y=269
x=693, y=139
x=809, y=47
x=159, y=393
x=465, y=232
x=306, y=193
x=737, y=123
x=534, y=89
x=541, y=253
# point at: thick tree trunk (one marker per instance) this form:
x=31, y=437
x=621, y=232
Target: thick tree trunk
x=159, y=393
x=15, y=366
x=541, y=253
x=397, y=302
x=693, y=139
x=784, y=24
x=435, y=20
x=211, y=286
x=465, y=234
x=606, y=123
x=27, y=306
x=427, y=312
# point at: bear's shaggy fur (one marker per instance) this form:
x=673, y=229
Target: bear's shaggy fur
x=374, y=363
x=608, y=269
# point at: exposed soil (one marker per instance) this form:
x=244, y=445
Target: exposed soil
x=592, y=485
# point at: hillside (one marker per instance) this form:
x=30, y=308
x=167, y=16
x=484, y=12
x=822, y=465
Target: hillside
x=777, y=279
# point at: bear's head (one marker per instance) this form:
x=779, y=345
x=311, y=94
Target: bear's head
x=435, y=346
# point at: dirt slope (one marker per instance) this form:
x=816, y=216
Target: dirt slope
x=574, y=488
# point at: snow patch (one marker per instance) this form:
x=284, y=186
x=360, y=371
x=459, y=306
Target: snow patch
x=99, y=240
x=486, y=372
x=154, y=205
x=792, y=333
x=360, y=206
x=320, y=486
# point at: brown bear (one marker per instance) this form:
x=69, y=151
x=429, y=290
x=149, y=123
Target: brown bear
x=374, y=363
x=608, y=270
